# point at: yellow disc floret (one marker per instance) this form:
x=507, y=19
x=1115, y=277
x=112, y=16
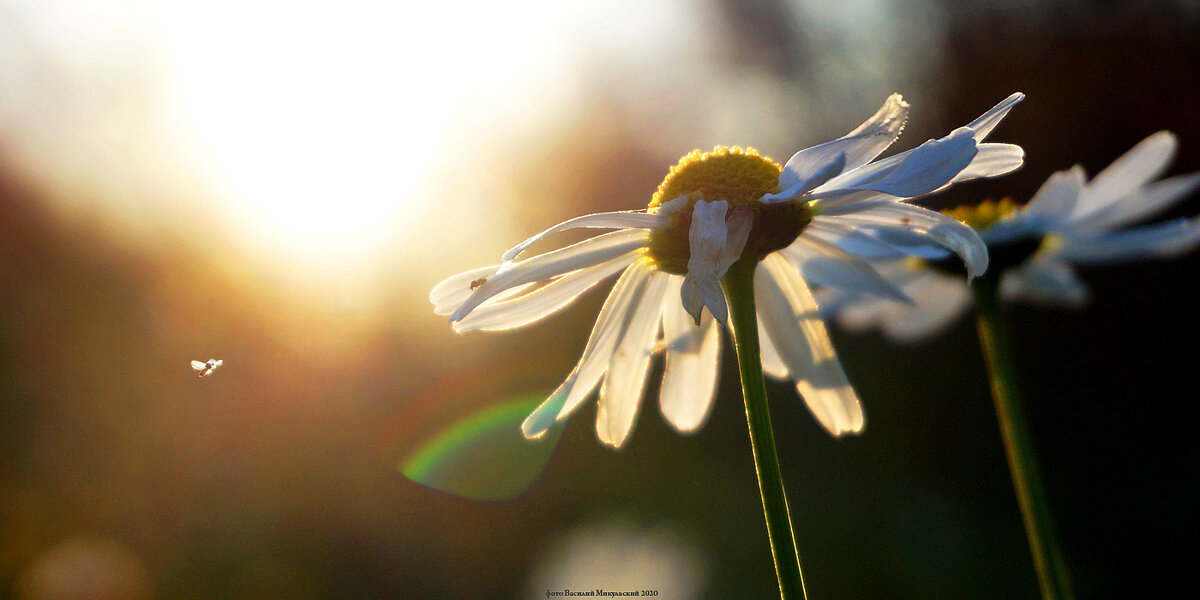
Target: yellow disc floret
x=983, y=215
x=740, y=177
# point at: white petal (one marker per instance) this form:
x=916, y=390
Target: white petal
x=1057, y=197
x=1158, y=240
x=940, y=301
x=772, y=364
x=454, y=290
x=544, y=416
x=714, y=244
x=919, y=171
x=610, y=326
x=871, y=244
x=689, y=298
x=672, y=207
x=823, y=174
x=606, y=220
x=689, y=383
x=991, y=160
x=858, y=147
x=543, y=301
x=908, y=219
x=826, y=264
x=937, y=300
x=988, y=120
x=855, y=312
x=621, y=392
x=1141, y=165
x=793, y=323
x=1143, y=203
x=552, y=264
x=1044, y=280
x=738, y=226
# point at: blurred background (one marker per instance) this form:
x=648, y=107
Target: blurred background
x=279, y=185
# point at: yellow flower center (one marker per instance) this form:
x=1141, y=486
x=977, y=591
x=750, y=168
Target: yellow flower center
x=738, y=176
x=983, y=215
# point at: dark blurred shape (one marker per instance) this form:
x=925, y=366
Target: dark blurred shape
x=762, y=35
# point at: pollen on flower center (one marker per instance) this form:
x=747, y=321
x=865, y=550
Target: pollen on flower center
x=740, y=177
x=983, y=215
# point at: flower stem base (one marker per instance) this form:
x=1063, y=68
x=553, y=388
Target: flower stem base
x=1048, y=560
x=739, y=291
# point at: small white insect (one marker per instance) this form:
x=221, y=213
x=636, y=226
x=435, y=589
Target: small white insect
x=204, y=369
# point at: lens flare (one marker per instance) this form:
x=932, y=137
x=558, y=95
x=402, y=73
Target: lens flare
x=484, y=456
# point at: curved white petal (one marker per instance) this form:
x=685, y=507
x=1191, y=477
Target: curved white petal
x=1044, y=280
x=871, y=244
x=621, y=392
x=772, y=364
x=1057, y=197
x=988, y=120
x=908, y=219
x=823, y=173
x=914, y=173
x=941, y=301
x=543, y=301
x=587, y=253
x=609, y=328
x=857, y=147
x=543, y=417
x=689, y=383
x=451, y=292
x=827, y=264
x=991, y=160
x=715, y=243
x=790, y=315
x=605, y=220
x=938, y=301
x=1158, y=240
x=1137, y=167
x=856, y=313
x=1141, y=204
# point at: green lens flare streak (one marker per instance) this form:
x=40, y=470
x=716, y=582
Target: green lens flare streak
x=739, y=290
x=484, y=456
x=1053, y=577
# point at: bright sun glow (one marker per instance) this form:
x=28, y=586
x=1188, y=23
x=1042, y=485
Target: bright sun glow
x=333, y=147
x=322, y=126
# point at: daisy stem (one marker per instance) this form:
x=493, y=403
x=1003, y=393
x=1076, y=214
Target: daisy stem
x=1051, y=568
x=739, y=290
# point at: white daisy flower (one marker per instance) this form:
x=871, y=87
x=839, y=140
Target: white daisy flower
x=1069, y=222
x=813, y=216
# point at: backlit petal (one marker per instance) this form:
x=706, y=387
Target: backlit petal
x=794, y=325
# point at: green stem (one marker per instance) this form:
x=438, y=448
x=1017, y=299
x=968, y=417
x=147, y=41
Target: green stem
x=739, y=290
x=1051, y=568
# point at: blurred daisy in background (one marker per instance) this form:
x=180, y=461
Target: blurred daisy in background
x=813, y=219
x=1069, y=222
x=1034, y=250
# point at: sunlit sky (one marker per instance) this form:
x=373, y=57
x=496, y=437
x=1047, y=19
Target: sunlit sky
x=317, y=138
x=325, y=148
